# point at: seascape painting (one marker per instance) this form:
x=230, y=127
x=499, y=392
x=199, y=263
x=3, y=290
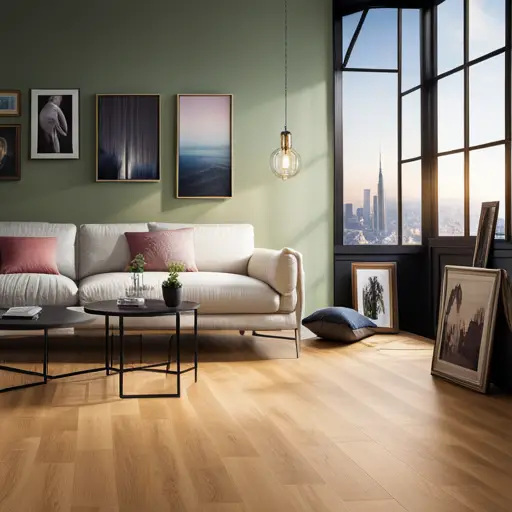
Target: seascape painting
x=374, y=293
x=10, y=103
x=55, y=123
x=466, y=324
x=204, y=155
x=128, y=137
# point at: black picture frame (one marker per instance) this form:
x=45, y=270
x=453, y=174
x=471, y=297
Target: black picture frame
x=486, y=233
x=10, y=136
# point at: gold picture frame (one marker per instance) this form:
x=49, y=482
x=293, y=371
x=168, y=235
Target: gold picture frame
x=10, y=156
x=6, y=97
x=106, y=169
x=465, y=328
x=377, y=281
x=216, y=155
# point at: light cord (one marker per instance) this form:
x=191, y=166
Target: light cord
x=285, y=65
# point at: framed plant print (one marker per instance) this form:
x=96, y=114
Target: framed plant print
x=10, y=103
x=374, y=294
x=55, y=124
x=204, y=164
x=486, y=233
x=128, y=138
x=465, y=331
x=10, y=152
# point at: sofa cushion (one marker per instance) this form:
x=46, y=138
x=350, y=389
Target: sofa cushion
x=104, y=248
x=28, y=255
x=218, y=247
x=339, y=324
x=37, y=290
x=217, y=292
x=160, y=248
x=65, y=234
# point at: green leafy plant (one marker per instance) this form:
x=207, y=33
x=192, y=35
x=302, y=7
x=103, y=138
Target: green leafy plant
x=373, y=298
x=137, y=264
x=173, y=280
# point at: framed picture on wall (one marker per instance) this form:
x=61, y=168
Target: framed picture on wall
x=465, y=331
x=55, y=124
x=204, y=166
x=374, y=294
x=10, y=103
x=486, y=233
x=128, y=138
x=10, y=152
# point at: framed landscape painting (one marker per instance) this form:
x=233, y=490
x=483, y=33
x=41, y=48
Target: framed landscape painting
x=55, y=124
x=128, y=138
x=374, y=294
x=465, y=331
x=204, y=166
x=10, y=152
x=10, y=103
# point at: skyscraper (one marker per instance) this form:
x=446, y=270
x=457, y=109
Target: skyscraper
x=366, y=207
x=375, y=219
x=360, y=213
x=349, y=211
x=381, y=199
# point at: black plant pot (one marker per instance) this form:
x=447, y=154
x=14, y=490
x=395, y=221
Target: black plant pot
x=172, y=296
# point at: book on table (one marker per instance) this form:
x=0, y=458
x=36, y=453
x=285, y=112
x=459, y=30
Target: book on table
x=22, y=313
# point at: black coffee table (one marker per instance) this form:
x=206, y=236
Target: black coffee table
x=51, y=317
x=152, y=308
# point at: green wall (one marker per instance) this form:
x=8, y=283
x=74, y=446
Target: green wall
x=170, y=47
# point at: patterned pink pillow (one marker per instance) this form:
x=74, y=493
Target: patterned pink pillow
x=160, y=248
x=28, y=255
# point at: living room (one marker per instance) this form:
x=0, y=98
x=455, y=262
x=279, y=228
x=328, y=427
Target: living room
x=228, y=232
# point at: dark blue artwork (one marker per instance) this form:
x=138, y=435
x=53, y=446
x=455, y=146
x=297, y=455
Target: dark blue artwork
x=128, y=146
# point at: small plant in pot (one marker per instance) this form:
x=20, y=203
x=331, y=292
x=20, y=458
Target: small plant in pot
x=172, y=288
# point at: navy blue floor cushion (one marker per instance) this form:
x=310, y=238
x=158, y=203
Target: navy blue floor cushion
x=339, y=324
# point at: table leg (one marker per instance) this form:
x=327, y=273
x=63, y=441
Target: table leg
x=169, y=353
x=178, y=354
x=121, y=355
x=107, y=358
x=45, y=357
x=195, y=345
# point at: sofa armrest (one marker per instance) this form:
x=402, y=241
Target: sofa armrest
x=276, y=268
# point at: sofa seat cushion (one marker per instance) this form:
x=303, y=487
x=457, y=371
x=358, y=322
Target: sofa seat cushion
x=37, y=290
x=217, y=292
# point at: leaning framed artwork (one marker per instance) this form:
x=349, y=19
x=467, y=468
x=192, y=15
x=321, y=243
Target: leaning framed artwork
x=204, y=156
x=128, y=138
x=10, y=103
x=10, y=152
x=55, y=124
x=465, y=331
x=374, y=293
x=486, y=233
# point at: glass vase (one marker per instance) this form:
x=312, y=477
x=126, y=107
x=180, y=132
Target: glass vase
x=136, y=286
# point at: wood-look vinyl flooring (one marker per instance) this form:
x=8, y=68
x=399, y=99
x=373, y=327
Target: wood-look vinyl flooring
x=359, y=428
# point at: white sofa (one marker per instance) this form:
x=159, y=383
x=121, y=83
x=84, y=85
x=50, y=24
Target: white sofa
x=239, y=287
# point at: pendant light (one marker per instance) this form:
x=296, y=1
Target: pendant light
x=285, y=162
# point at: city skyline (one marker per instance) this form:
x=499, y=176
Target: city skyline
x=370, y=111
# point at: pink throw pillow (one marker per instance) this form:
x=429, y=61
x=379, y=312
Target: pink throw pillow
x=28, y=255
x=160, y=248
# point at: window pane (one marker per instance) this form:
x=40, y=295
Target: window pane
x=450, y=184
x=410, y=48
x=450, y=35
x=376, y=46
x=487, y=101
x=411, y=203
x=450, y=108
x=486, y=26
x=487, y=183
x=411, y=125
x=349, y=27
x=366, y=98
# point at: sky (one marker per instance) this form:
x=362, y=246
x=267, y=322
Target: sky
x=205, y=121
x=370, y=103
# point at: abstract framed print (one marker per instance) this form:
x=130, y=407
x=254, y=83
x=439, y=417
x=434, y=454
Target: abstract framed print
x=128, y=138
x=55, y=124
x=486, y=233
x=374, y=294
x=10, y=152
x=204, y=165
x=10, y=103
x=465, y=330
